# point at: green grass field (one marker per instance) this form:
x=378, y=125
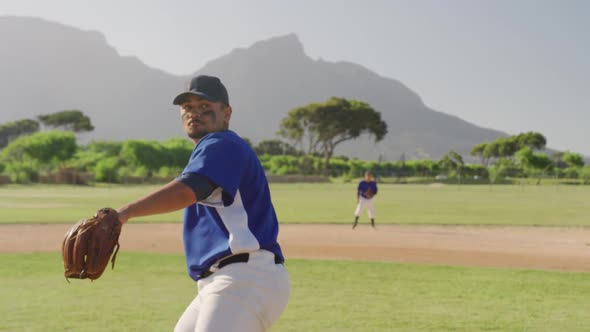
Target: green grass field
x=332, y=203
x=148, y=292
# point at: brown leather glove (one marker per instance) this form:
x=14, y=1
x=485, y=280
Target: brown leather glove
x=89, y=244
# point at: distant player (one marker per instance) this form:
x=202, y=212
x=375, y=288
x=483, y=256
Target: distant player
x=366, y=190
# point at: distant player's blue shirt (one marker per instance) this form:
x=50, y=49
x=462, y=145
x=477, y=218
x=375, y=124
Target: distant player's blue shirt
x=239, y=216
x=366, y=185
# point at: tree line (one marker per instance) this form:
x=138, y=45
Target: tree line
x=311, y=134
x=68, y=120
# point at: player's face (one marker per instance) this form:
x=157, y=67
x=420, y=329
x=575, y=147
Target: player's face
x=201, y=117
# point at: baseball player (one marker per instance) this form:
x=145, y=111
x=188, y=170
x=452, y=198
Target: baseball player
x=230, y=226
x=365, y=192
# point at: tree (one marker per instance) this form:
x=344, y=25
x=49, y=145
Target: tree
x=452, y=161
x=506, y=147
x=492, y=150
x=298, y=126
x=531, y=161
x=557, y=158
x=573, y=159
x=533, y=140
x=486, y=152
x=567, y=163
x=12, y=130
x=501, y=168
x=70, y=120
x=479, y=152
x=274, y=147
x=325, y=125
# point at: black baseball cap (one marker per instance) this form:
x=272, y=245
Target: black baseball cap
x=206, y=87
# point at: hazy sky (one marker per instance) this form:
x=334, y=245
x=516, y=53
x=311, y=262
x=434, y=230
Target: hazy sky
x=511, y=65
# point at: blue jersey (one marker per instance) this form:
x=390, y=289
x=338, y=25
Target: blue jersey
x=364, y=186
x=238, y=216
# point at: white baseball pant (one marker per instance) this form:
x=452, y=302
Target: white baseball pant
x=365, y=203
x=247, y=297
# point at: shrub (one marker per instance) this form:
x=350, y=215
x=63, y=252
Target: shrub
x=106, y=170
x=166, y=172
x=284, y=165
x=585, y=174
x=570, y=172
x=22, y=171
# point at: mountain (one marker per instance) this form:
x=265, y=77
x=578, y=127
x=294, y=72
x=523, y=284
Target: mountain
x=47, y=67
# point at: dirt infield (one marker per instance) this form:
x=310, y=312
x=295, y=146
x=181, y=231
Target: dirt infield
x=566, y=249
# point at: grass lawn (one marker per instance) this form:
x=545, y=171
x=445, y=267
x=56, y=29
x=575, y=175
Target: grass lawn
x=331, y=203
x=148, y=292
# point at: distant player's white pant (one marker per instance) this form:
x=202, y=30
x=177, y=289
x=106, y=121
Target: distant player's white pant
x=247, y=297
x=365, y=203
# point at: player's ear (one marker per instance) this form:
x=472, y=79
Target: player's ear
x=227, y=113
